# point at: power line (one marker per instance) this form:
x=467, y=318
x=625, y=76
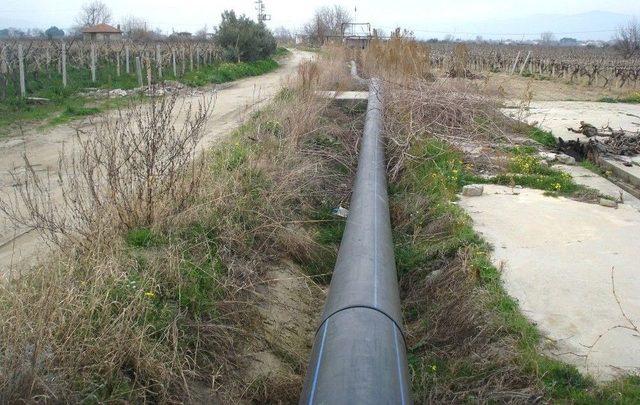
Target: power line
x=500, y=34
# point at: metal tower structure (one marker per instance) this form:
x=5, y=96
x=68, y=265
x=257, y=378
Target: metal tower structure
x=260, y=8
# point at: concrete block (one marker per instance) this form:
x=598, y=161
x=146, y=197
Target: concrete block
x=473, y=190
x=608, y=203
x=566, y=159
x=548, y=156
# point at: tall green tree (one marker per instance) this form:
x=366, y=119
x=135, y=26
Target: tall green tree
x=242, y=39
x=54, y=32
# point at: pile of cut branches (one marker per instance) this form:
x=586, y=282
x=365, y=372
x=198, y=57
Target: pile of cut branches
x=603, y=141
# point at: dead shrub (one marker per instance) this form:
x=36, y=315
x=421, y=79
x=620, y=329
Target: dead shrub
x=399, y=57
x=133, y=169
x=454, y=112
x=460, y=61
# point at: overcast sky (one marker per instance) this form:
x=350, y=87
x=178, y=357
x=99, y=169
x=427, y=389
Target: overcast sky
x=453, y=16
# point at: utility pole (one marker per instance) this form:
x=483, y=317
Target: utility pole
x=262, y=16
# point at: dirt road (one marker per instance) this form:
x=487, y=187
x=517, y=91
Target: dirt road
x=231, y=107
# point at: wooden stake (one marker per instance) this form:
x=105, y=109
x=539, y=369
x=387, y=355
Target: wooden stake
x=526, y=60
x=139, y=71
x=515, y=63
x=159, y=61
x=93, y=62
x=23, y=89
x=4, y=71
x=64, y=65
x=126, y=58
x=173, y=62
x=148, y=62
x=183, y=58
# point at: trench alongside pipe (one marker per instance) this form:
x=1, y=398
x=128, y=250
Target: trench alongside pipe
x=359, y=353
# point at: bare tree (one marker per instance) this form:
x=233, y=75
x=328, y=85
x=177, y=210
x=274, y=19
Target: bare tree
x=379, y=33
x=134, y=168
x=135, y=28
x=202, y=33
x=93, y=13
x=283, y=35
x=627, y=40
x=547, y=37
x=327, y=21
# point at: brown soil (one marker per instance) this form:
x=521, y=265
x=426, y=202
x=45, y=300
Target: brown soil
x=515, y=87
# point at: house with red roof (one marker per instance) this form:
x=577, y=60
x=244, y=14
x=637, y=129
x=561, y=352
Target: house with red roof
x=101, y=32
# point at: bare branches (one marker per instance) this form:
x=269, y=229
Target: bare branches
x=93, y=13
x=627, y=40
x=451, y=111
x=327, y=21
x=135, y=168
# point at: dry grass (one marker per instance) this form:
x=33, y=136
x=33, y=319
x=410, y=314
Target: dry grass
x=165, y=303
x=467, y=340
x=129, y=170
x=454, y=112
x=401, y=57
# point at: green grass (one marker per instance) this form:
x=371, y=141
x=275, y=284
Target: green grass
x=141, y=238
x=14, y=113
x=589, y=165
x=281, y=52
x=228, y=72
x=545, y=138
x=65, y=103
x=631, y=99
x=425, y=192
x=526, y=171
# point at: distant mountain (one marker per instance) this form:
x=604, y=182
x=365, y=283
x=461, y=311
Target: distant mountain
x=596, y=25
x=14, y=23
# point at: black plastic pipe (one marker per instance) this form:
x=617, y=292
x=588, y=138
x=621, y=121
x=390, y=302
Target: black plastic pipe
x=359, y=353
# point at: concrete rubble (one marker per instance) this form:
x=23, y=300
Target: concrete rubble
x=566, y=159
x=605, y=202
x=161, y=89
x=473, y=190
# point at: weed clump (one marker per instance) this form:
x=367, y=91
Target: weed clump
x=543, y=137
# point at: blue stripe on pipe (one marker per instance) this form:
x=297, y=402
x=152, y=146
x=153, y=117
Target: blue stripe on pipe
x=375, y=229
x=315, y=372
x=362, y=306
x=398, y=363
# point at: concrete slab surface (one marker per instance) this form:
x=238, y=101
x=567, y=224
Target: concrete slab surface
x=588, y=178
x=557, y=116
x=630, y=174
x=344, y=95
x=561, y=259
